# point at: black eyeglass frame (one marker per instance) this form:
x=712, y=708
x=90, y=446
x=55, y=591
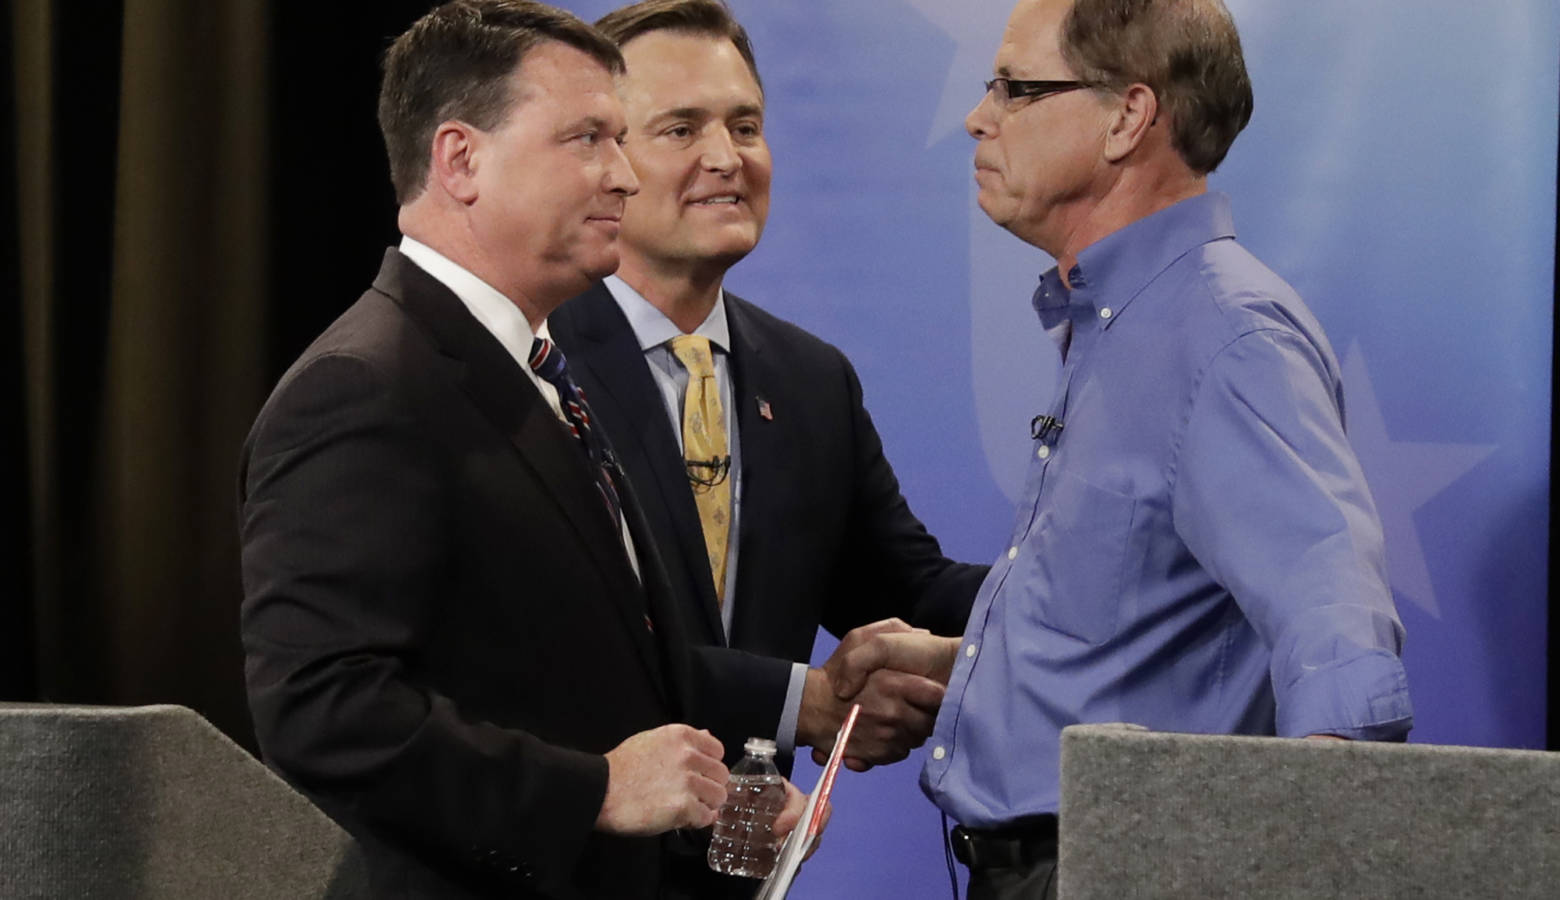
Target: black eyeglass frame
x=1018, y=89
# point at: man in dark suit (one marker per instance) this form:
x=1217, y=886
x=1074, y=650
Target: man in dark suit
x=458, y=632
x=762, y=476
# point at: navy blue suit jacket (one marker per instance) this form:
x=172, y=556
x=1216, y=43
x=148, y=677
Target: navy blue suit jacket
x=826, y=537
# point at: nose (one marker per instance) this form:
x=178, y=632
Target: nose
x=619, y=177
x=720, y=152
x=980, y=123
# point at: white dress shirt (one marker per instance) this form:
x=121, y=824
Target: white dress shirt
x=504, y=320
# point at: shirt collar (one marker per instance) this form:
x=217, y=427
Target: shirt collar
x=1051, y=298
x=497, y=313
x=651, y=326
x=1112, y=271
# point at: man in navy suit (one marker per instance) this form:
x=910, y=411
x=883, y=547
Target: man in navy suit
x=460, y=640
x=796, y=518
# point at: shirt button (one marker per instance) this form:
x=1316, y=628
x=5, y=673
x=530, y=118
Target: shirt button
x=1012, y=553
x=1106, y=313
x=939, y=752
x=1044, y=452
x=970, y=651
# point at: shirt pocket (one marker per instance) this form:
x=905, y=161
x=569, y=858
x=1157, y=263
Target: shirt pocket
x=1079, y=557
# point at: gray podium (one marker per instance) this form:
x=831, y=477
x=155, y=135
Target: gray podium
x=1148, y=814
x=153, y=802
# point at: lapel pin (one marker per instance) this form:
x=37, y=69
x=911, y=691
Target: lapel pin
x=764, y=412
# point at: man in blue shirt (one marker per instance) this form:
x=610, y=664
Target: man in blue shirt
x=1195, y=549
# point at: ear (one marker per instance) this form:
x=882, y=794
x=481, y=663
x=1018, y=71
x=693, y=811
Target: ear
x=453, y=165
x=1138, y=111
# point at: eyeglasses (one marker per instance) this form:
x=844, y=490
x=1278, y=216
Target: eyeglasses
x=1007, y=90
x=707, y=472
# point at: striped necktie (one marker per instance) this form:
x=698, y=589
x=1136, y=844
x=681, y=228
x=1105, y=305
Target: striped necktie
x=547, y=361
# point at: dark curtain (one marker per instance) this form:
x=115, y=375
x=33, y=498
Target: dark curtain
x=191, y=191
x=140, y=223
x=17, y=667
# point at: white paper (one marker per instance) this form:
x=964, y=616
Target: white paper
x=802, y=838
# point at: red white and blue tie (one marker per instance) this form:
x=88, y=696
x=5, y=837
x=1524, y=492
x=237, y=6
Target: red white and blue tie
x=547, y=361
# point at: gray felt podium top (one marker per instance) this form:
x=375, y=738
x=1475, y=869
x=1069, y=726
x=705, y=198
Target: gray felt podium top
x=152, y=801
x=1147, y=814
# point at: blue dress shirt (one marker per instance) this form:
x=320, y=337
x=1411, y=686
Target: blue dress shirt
x=1195, y=549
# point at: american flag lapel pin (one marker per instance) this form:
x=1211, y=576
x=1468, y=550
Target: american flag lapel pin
x=764, y=412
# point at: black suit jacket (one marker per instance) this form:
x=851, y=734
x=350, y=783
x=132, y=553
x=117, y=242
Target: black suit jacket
x=826, y=537
x=443, y=634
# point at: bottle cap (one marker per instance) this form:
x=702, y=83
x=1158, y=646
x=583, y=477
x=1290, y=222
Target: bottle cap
x=760, y=746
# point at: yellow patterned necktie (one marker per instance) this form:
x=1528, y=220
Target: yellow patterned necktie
x=704, y=450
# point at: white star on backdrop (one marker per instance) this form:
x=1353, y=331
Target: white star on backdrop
x=1012, y=361
x=976, y=30
x=1403, y=476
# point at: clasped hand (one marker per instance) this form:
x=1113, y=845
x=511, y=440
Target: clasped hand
x=897, y=674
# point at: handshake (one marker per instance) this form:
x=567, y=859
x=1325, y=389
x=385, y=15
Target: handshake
x=897, y=674
x=672, y=776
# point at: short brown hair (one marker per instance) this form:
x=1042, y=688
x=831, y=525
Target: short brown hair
x=711, y=18
x=455, y=63
x=1187, y=51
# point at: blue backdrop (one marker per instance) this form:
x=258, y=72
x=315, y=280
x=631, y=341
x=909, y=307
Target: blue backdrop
x=1399, y=171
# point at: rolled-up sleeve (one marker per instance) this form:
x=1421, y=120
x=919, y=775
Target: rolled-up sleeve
x=1271, y=500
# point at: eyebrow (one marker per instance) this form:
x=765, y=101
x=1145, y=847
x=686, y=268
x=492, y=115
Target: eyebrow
x=1004, y=72
x=589, y=123
x=700, y=113
x=683, y=112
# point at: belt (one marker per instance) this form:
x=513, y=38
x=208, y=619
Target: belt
x=1022, y=843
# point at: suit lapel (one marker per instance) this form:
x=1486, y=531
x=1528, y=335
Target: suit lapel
x=488, y=376
x=764, y=406
x=606, y=358
x=664, y=609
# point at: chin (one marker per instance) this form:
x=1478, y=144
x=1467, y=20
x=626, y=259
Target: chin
x=726, y=255
x=734, y=246
x=1002, y=217
x=600, y=268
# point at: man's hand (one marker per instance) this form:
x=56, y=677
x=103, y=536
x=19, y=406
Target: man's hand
x=791, y=816
x=668, y=777
x=898, y=708
x=912, y=650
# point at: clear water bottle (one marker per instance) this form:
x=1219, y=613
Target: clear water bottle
x=744, y=842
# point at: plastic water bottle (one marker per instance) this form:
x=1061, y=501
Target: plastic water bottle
x=744, y=841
